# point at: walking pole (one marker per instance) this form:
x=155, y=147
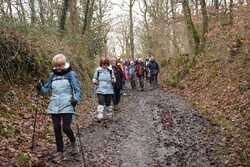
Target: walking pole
x=34, y=125
x=81, y=147
x=114, y=101
x=79, y=136
x=93, y=105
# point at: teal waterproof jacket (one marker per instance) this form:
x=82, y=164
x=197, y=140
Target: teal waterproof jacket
x=65, y=88
x=104, y=77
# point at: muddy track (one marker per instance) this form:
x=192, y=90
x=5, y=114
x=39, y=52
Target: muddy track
x=153, y=128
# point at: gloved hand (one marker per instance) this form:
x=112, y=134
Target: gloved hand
x=39, y=86
x=73, y=103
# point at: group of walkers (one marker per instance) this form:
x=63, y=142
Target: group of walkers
x=109, y=79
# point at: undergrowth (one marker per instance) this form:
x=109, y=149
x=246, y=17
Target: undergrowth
x=26, y=53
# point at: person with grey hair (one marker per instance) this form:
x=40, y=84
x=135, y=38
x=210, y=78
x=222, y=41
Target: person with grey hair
x=154, y=71
x=64, y=85
x=119, y=76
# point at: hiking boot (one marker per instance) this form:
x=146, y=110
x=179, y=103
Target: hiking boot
x=74, y=148
x=115, y=108
x=109, y=116
x=58, y=157
x=109, y=112
x=100, y=117
x=100, y=109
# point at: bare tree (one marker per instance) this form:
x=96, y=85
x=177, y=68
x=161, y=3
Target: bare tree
x=9, y=9
x=86, y=14
x=63, y=16
x=41, y=12
x=204, y=25
x=73, y=16
x=131, y=28
x=231, y=12
x=33, y=11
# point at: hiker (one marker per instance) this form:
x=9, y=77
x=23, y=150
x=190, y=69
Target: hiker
x=118, y=72
x=147, y=71
x=154, y=70
x=125, y=67
x=131, y=71
x=104, y=79
x=140, y=69
x=64, y=85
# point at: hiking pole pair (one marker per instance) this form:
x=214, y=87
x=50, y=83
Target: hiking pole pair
x=34, y=125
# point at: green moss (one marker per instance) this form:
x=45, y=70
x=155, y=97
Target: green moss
x=214, y=74
x=7, y=115
x=23, y=159
x=192, y=103
x=210, y=130
x=181, y=86
x=192, y=63
x=7, y=132
x=170, y=83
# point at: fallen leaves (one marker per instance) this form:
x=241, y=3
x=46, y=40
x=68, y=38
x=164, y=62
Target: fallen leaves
x=226, y=94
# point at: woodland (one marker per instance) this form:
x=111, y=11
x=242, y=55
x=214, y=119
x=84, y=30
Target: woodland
x=202, y=47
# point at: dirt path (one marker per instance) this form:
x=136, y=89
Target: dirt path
x=154, y=128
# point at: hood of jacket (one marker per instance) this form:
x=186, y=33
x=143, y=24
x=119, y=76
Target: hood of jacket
x=64, y=71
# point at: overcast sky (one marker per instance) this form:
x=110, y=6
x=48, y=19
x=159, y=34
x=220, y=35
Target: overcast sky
x=116, y=13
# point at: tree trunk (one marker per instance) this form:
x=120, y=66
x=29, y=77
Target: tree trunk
x=51, y=12
x=131, y=29
x=33, y=11
x=174, y=40
x=231, y=12
x=41, y=12
x=216, y=4
x=9, y=8
x=63, y=16
x=204, y=25
x=86, y=17
x=193, y=35
x=73, y=16
x=148, y=35
x=23, y=11
x=2, y=8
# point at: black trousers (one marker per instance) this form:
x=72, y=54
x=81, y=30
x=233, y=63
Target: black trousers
x=66, y=118
x=105, y=99
x=141, y=81
x=132, y=82
x=154, y=80
x=117, y=96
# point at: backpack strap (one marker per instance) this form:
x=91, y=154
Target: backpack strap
x=51, y=75
x=110, y=71
x=68, y=76
x=98, y=73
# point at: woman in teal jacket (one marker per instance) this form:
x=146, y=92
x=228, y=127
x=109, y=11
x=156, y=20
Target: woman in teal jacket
x=64, y=85
x=104, y=79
